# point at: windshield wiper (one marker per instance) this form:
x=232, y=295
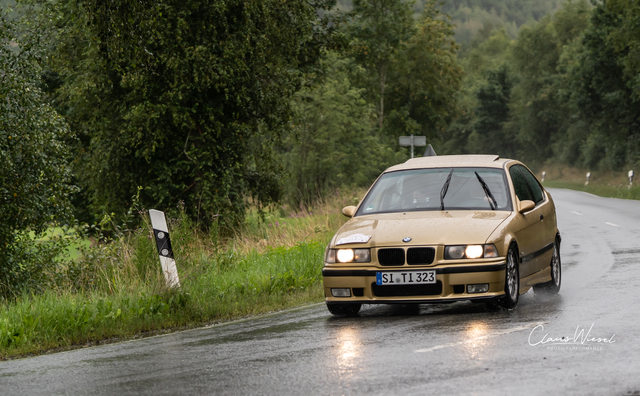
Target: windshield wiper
x=487, y=192
x=445, y=187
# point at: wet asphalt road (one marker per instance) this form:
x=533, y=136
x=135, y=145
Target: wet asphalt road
x=459, y=348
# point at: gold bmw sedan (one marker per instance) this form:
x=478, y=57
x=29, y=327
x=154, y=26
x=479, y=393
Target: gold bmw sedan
x=444, y=229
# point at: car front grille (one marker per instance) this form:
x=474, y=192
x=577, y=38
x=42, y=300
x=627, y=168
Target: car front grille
x=417, y=256
x=391, y=257
x=433, y=289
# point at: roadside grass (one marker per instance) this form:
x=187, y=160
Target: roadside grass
x=116, y=291
x=598, y=189
x=604, y=184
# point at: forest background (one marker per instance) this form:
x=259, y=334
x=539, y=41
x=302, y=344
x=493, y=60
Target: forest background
x=221, y=113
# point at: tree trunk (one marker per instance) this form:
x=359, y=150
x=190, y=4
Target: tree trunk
x=382, y=70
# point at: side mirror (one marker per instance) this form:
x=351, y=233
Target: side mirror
x=349, y=211
x=525, y=206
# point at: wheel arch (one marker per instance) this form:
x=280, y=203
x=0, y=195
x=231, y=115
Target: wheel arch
x=505, y=243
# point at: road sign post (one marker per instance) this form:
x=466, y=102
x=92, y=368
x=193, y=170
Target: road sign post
x=631, y=174
x=163, y=243
x=412, y=141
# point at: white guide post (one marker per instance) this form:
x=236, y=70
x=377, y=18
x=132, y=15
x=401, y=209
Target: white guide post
x=161, y=234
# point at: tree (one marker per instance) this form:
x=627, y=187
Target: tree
x=378, y=29
x=333, y=142
x=425, y=82
x=34, y=175
x=540, y=111
x=490, y=136
x=183, y=98
x=625, y=38
x=604, y=92
x=488, y=51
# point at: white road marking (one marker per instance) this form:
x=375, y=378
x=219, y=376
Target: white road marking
x=578, y=213
x=484, y=337
x=611, y=224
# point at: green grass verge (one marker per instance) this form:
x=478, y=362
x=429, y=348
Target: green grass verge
x=116, y=291
x=223, y=289
x=602, y=190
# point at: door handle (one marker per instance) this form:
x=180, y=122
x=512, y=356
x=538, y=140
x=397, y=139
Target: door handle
x=541, y=217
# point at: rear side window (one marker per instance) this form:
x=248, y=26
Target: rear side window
x=520, y=184
x=533, y=183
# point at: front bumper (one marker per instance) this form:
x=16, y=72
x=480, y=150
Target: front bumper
x=451, y=284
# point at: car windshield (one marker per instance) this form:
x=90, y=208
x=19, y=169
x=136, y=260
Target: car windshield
x=420, y=189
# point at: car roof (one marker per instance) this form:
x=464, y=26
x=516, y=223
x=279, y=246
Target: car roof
x=445, y=161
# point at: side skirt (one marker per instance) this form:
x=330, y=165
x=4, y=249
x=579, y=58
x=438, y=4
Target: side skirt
x=533, y=279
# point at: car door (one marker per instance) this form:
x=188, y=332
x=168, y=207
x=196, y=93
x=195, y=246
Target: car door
x=544, y=206
x=530, y=232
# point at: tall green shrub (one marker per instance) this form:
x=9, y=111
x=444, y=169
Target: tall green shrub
x=34, y=175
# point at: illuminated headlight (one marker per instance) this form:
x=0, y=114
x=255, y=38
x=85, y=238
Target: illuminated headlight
x=348, y=256
x=470, y=251
x=473, y=251
x=345, y=255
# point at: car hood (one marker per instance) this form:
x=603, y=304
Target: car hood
x=424, y=228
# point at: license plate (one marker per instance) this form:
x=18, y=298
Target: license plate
x=406, y=277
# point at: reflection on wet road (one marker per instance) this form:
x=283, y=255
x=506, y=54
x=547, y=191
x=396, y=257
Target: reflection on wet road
x=460, y=348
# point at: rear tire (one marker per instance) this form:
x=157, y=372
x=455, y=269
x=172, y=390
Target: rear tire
x=553, y=286
x=512, y=280
x=344, y=309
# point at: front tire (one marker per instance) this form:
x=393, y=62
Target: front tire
x=553, y=286
x=344, y=309
x=512, y=280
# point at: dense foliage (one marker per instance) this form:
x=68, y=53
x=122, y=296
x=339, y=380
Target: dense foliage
x=569, y=90
x=424, y=95
x=378, y=30
x=34, y=176
x=333, y=142
x=408, y=68
x=182, y=98
x=399, y=76
x=471, y=16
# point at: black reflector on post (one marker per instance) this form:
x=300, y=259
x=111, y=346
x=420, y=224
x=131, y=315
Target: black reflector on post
x=163, y=243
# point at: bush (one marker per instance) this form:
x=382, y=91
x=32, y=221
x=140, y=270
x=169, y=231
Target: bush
x=35, y=178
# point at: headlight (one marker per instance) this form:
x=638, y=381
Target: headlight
x=473, y=251
x=470, y=251
x=348, y=256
